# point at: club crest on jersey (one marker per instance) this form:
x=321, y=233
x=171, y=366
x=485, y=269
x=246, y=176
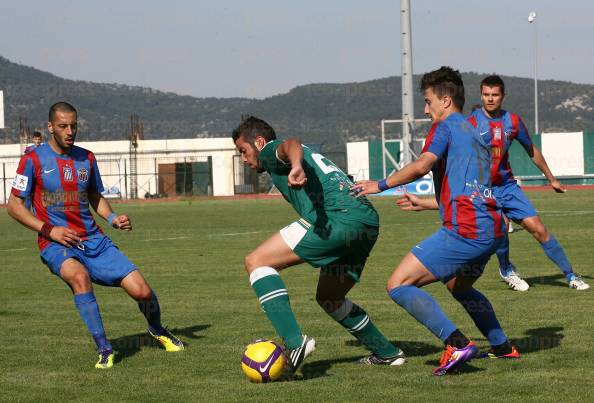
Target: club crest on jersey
x=67, y=173
x=83, y=174
x=497, y=133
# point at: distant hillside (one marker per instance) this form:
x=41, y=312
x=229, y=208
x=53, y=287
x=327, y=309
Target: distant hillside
x=321, y=113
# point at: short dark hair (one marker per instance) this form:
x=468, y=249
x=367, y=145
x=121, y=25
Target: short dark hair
x=60, y=107
x=251, y=127
x=493, y=81
x=445, y=81
x=36, y=133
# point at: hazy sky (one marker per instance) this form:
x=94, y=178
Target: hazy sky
x=259, y=48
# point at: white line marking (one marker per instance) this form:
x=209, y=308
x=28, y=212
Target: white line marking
x=13, y=250
x=241, y=233
x=164, y=239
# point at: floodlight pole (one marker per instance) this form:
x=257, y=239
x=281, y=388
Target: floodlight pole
x=408, y=111
x=531, y=20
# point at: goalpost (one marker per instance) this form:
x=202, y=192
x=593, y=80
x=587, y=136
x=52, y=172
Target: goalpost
x=406, y=153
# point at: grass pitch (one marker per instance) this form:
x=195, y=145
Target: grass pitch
x=192, y=253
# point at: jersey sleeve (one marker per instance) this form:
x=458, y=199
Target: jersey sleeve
x=95, y=182
x=24, y=179
x=437, y=140
x=269, y=158
x=523, y=137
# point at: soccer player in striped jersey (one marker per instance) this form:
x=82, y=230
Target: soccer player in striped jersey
x=472, y=228
x=499, y=128
x=64, y=182
x=37, y=138
x=335, y=232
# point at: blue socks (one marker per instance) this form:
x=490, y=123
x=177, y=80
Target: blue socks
x=555, y=252
x=152, y=312
x=424, y=309
x=87, y=307
x=481, y=311
x=428, y=312
x=551, y=248
x=505, y=266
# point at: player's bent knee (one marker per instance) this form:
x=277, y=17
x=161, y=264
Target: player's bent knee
x=393, y=283
x=144, y=293
x=79, y=281
x=251, y=263
x=328, y=304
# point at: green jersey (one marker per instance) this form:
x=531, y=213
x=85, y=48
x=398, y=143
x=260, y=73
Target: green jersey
x=326, y=192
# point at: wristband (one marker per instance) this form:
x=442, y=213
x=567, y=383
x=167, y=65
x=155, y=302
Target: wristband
x=111, y=217
x=45, y=230
x=383, y=185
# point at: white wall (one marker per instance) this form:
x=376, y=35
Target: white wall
x=564, y=152
x=358, y=160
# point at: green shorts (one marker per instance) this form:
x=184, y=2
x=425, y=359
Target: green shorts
x=341, y=247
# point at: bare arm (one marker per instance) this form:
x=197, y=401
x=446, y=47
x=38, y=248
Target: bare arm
x=17, y=210
x=540, y=162
x=291, y=151
x=409, y=173
x=103, y=208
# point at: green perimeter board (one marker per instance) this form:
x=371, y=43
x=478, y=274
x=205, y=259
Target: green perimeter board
x=375, y=158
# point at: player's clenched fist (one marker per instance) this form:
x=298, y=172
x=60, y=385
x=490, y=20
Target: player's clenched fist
x=122, y=222
x=297, y=178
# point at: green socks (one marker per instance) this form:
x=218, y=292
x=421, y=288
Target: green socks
x=354, y=319
x=274, y=300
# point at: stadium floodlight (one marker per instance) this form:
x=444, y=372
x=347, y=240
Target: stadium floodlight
x=532, y=19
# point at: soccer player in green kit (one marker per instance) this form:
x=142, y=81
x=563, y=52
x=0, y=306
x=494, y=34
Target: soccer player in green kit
x=336, y=233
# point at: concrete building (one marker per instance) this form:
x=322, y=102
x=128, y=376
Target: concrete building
x=203, y=166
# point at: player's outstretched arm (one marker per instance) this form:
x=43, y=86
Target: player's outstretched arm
x=540, y=162
x=410, y=202
x=63, y=235
x=409, y=173
x=291, y=151
x=103, y=208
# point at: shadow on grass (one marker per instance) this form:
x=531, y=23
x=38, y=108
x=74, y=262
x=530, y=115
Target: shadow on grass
x=538, y=339
x=127, y=346
x=557, y=280
x=542, y=338
x=410, y=348
x=317, y=369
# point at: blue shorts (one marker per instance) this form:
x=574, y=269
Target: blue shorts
x=102, y=259
x=446, y=254
x=516, y=205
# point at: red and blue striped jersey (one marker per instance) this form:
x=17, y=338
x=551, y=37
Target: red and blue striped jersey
x=499, y=133
x=462, y=181
x=59, y=186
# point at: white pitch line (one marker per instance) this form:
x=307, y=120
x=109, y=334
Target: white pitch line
x=164, y=239
x=13, y=250
x=240, y=233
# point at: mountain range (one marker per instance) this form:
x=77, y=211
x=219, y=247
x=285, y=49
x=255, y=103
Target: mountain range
x=328, y=114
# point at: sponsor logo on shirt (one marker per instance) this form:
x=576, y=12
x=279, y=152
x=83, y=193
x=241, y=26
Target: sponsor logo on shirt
x=497, y=133
x=55, y=200
x=67, y=173
x=83, y=174
x=20, y=182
